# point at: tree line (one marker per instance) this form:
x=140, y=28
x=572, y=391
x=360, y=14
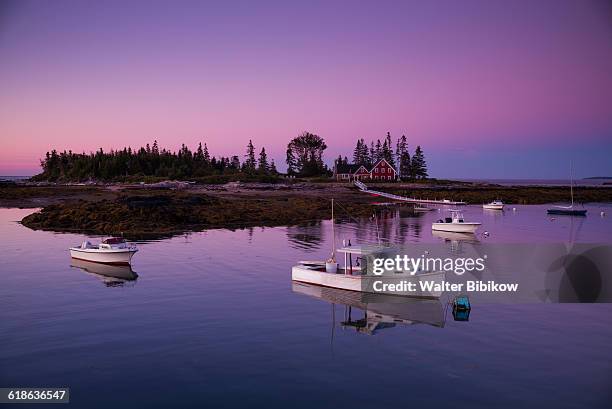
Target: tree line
x=407, y=166
x=304, y=158
x=152, y=161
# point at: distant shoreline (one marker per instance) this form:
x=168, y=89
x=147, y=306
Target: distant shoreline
x=588, y=181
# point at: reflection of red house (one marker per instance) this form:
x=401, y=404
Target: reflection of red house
x=382, y=170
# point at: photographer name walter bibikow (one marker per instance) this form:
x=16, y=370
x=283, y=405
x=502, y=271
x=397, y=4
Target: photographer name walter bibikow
x=429, y=286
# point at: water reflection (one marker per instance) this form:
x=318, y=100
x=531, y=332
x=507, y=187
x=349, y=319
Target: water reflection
x=305, y=236
x=456, y=240
x=376, y=312
x=111, y=275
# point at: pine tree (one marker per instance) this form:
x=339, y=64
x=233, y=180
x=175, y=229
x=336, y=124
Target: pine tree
x=263, y=166
x=291, y=162
x=387, y=151
x=249, y=163
x=372, y=154
x=365, y=154
x=235, y=163
x=206, y=155
x=404, y=158
x=273, y=170
x=357, y=153
x=377, y=152
x=199, y=155
x=418, y=165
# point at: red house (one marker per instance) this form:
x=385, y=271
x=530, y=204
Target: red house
x=382, y=170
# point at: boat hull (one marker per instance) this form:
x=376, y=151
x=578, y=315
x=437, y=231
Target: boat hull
x=456, y=227
x=493, y=207
x=567, y=212
x=358, y=282
x=113, y=256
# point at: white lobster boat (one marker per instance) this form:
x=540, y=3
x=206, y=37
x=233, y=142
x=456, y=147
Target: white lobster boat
x=112, y=250
x=494, y=205
x=354, y=278
x=455, y=224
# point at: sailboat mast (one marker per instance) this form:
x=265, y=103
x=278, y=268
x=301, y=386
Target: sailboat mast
x=572, y=182
x=333, y=232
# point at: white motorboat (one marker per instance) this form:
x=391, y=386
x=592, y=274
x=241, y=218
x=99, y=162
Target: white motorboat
x=455, y=224
x=494, y=205
x=112, y=250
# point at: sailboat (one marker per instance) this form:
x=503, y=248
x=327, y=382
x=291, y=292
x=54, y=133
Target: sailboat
x=568, y=210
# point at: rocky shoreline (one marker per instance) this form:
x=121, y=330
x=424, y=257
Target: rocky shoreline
x=145, y=211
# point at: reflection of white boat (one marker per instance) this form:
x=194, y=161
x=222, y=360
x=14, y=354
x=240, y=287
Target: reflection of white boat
x=455, y=223
x=110, y=251
x=120, y=273
x=494, y=205
x=454, y=236
x=380, y=310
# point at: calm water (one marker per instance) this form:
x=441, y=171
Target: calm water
x=212, y=321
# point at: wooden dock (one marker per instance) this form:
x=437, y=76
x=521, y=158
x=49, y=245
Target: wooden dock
x=362, y=186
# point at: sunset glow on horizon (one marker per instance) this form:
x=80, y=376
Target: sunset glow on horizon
x=489, y=89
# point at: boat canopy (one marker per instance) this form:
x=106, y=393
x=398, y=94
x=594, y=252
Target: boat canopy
x=362, y=250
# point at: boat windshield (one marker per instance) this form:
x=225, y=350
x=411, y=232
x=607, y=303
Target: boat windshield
x=113, y=240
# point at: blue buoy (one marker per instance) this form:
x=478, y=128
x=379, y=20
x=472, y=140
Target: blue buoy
x=461, y=308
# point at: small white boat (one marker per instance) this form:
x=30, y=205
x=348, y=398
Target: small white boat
x=112, y=250
x=494, y=205
x=455, y=224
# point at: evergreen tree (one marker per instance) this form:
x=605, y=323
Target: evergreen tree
x=199, y=155
x=206, y=155
x=235, y=163
x=263, y=166
x=377, y=152
x=387, y=150
x=249, y=163
x=418, y=165
x=273, y=170
x=404, y=158
x=364, y=154
x=291, y=162
x=372, y=154
x=357, y=153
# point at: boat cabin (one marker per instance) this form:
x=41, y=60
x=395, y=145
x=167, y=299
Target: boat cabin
x=455, y=217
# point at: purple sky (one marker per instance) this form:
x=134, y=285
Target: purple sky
x=488, y=88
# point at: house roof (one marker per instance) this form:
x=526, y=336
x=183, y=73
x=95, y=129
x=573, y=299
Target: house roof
x=384, y=160
x=348, y=168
